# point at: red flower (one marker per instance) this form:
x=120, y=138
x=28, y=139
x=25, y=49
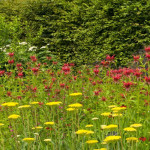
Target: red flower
x=147, y=49
x=11, y=54
x=127, y=71
x=142, y=139
x=117, y=77
x=19, y=65
x=96, y=71
x=35, y=70
x=2, y=72
x=11, y=61
x=147, y=56
x=93, y=83
x=103, y=98
x=127, y=85
x=8, y=93
x=49, y=58
x=104, y=63
x=110, y=58
x=96, y=93
x=136, y=58
x=147, y=79
x=55, y=62
x=62, y=85
x=20, y=74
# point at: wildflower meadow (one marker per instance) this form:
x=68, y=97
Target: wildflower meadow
x=67, y=107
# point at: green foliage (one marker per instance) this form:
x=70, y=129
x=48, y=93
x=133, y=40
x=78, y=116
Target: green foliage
x=83, y=31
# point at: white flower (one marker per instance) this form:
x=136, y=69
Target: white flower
x=33, y=48
x=23, y=43
x=43, y=47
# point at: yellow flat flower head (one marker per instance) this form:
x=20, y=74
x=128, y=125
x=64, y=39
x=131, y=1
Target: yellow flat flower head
x=111, y=126
x=53, y=103
x=129, y=129
x=136, y=125
x=47, y=140
x=75, y=94
x=106, y=114
x=49, y=123
x=28, y=139
x=14, y=116
x=110, y=139
x=70, y=109
x=34, y=103
x=24, y=106
x=91, y=141
x=89, y=125
x=131, y=139
x=10, y=104
x=75, y=105
x=1, y=124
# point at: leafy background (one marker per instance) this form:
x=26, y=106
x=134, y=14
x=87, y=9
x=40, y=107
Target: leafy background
x=80, y=31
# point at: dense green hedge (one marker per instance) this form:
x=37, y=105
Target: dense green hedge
x=84, y=31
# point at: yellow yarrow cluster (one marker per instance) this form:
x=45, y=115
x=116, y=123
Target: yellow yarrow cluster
x=53, y=103
x=111, y=126
x=28, y=139
x=1, y=124
x=89, y=125
x=101, y=149
x=75, y=105
x=75, y=94
x=49, y=123
x=70, y=109
x=34, y=103
x=24, y=106
x=131, y=139
x=112, y=106
x=106, y=114
x=10, y=104
x=91, y=141
x=14, y=116
x=117, y=109
x=86, y=132
x=136, y=125
x=130, y=129
x=109, y=139
x=47, y=140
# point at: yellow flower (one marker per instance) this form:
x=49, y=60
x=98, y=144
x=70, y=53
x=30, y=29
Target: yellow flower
x=112, y=106
x=111, y=126
x=34, y=103
x=89, y=132
x=53, y=103
x=38, y=127
x=117, y=109
x=101, y=149
x=47, y=140
x=112, y=139
x=103, y=126
x=49, y=123
x=24, y=106
x=70, y=109
x=136, y=125
x=10, y=104
x=75, y=94
x=14, y=116
x=91, y=141
x=82, y=131
x=89, y=125
x=1, y=124
x=132, y=139
x=76, y=105
x=28, y=139
x=116, y=115
x=130, y=129
x=106, y=114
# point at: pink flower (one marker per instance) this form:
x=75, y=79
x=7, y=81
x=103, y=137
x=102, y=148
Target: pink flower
x=136, y=58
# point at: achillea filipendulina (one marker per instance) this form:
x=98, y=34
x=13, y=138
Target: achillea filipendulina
x=117, y=109
x=53, y=103
x=34, y=103
x=91, y=141
x=136, y=125
x=75, y=94
x=89, y=125
x=14, y=116
x=10, y=104
x=129, y=129
x=81, y=131
x=110, y=139
x=49, y=123
x=111, y=126
x=101, y=149
x=131, y=139
x=24, y=106
x=70, y=109
x=47, y=140
x=1, y=124
x=106, y=114
x=75, y=105
x=28, y=139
